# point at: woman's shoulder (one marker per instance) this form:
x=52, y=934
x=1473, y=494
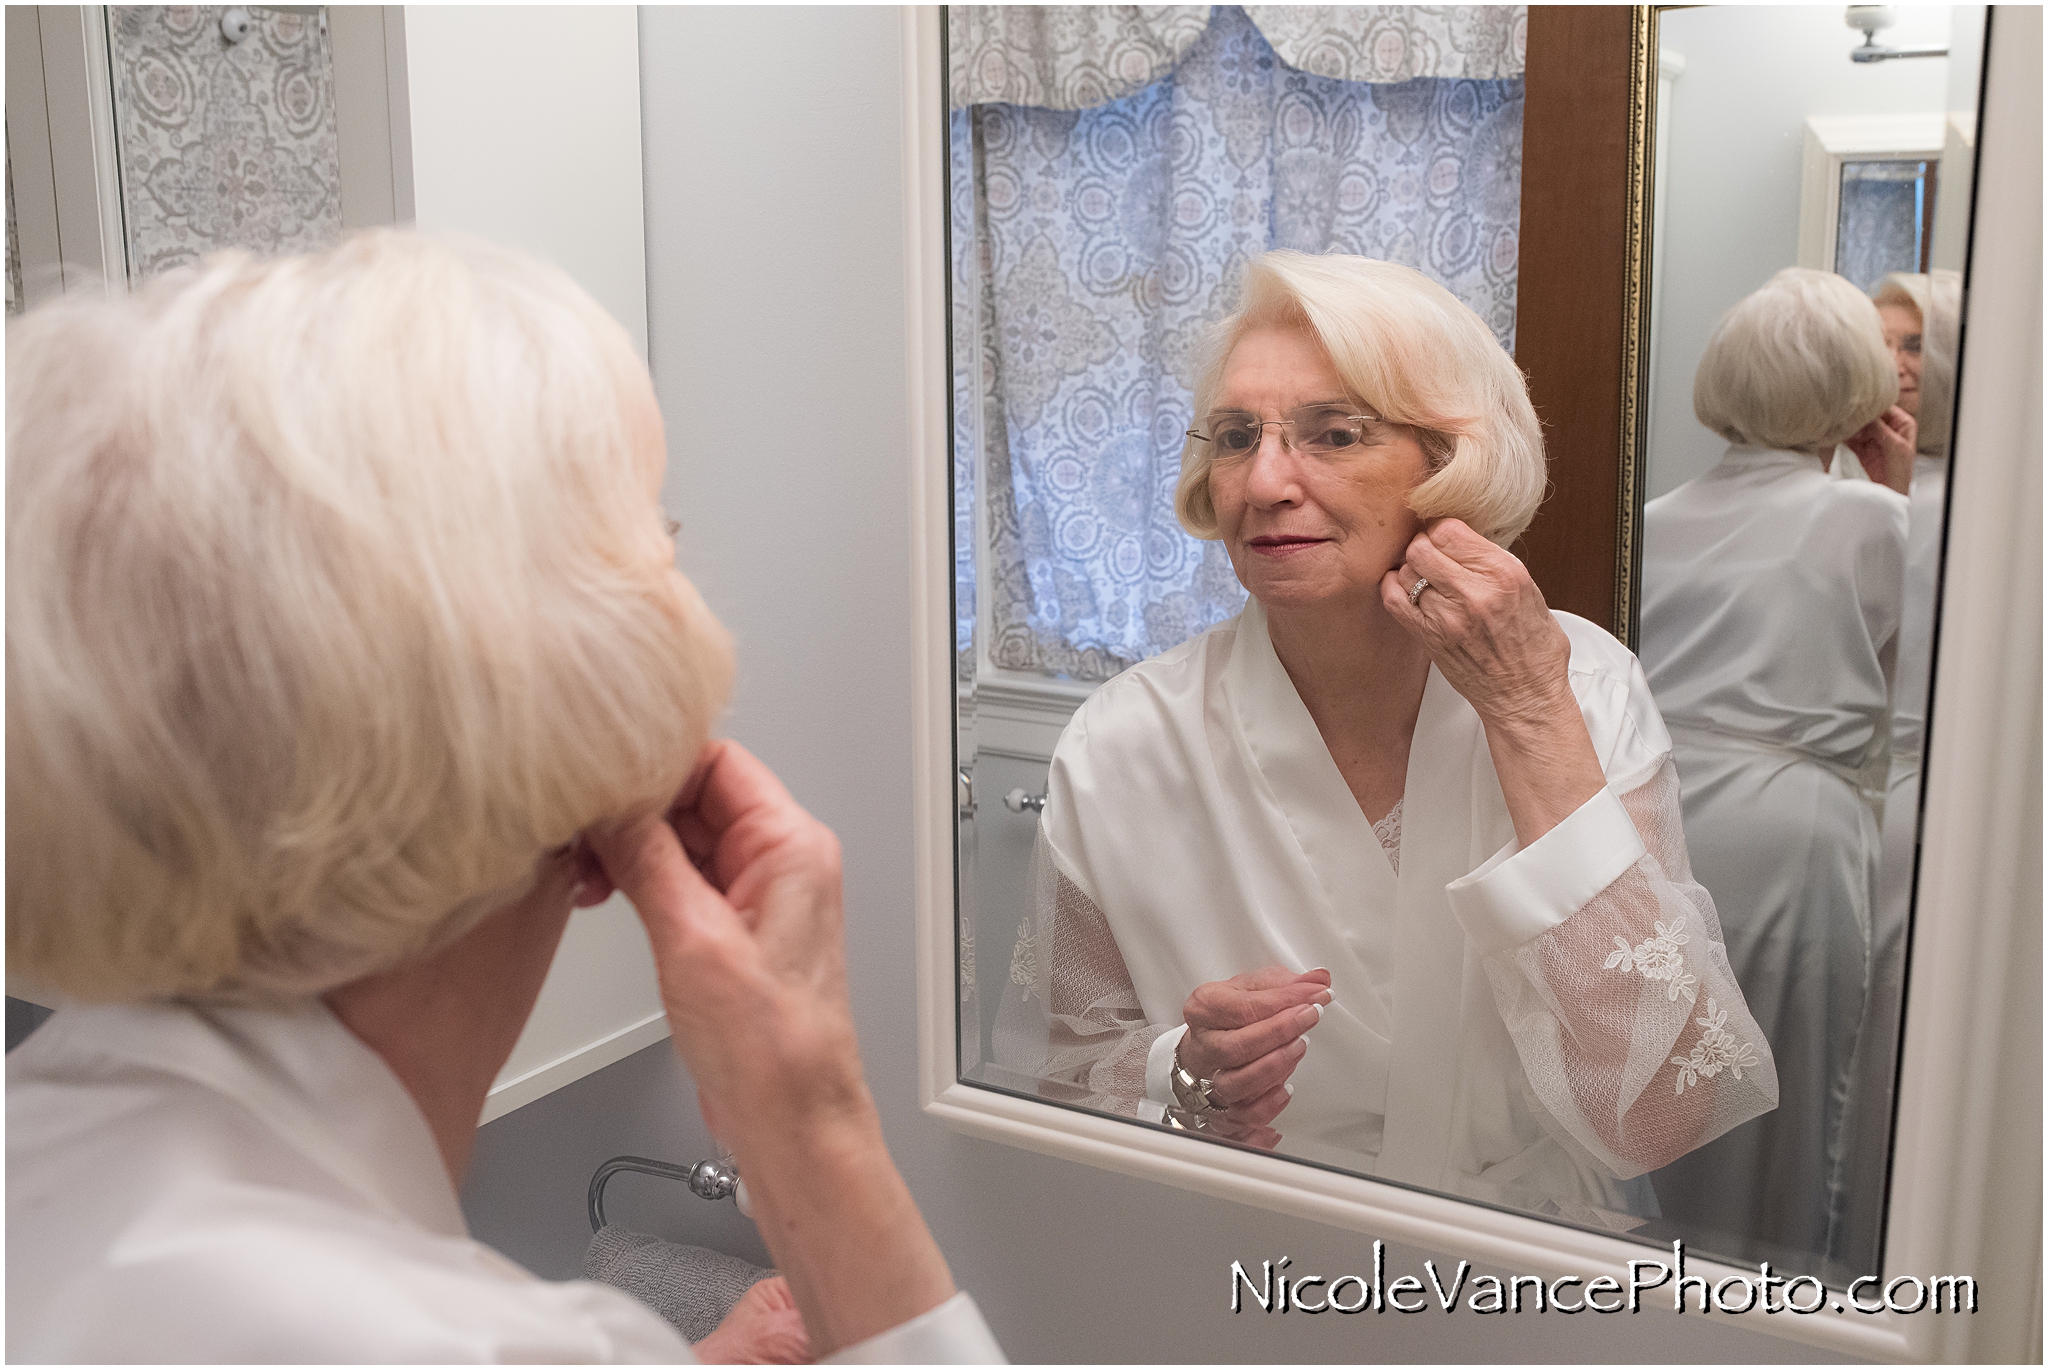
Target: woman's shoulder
x=1852, y=506
x=1614, y=696
x=1130, y=703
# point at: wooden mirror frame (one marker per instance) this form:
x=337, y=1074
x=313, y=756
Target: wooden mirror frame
x=1966, y=1173
x=1582, y=309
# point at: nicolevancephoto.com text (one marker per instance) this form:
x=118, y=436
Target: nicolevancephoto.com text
x=1271, y=1289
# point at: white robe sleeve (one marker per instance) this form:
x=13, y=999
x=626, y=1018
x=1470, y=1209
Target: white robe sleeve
x=1070, y=1016
x=954, y=1333
x=1609, y=969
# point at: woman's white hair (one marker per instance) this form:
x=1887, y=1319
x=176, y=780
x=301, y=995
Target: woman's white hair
x=1937, y=297
x=336, y=595
x=1798, y=364
x=1408, y=348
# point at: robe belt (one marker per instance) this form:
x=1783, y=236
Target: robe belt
x=1865, y=777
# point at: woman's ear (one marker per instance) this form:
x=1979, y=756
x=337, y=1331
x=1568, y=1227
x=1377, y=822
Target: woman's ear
x=593, y=886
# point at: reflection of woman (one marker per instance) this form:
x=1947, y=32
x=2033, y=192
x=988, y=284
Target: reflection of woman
x=338, y=606
x=1395, y=766
x=1770, y=616
x=1922, y=326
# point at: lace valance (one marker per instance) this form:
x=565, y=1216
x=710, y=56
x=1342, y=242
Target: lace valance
x=1078, y=56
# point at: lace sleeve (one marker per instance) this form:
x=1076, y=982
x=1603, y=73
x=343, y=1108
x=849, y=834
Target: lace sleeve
x=1631, y=1029
x=1070, y=1017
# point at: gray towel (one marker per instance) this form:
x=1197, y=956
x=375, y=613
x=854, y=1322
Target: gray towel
x=689, y=1286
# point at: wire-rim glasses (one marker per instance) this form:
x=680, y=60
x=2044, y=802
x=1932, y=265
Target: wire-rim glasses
x=1316, y=430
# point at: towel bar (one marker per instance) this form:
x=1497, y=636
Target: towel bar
x=712, y=1180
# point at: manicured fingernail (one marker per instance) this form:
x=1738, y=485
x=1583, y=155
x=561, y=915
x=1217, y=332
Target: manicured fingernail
x=1323, y=998
x=1304, y=1044
x=1288, y=1085
x=1317, y=1019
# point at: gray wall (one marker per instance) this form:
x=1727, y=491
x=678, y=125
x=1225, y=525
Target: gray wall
x=775, y=281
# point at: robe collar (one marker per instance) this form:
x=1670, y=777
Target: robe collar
x=303, y=1075
x=1407, y=983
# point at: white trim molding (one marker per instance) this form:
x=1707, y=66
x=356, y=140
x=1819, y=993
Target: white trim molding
x=60, y=130
x=572, y=1066
x=1966, y=1195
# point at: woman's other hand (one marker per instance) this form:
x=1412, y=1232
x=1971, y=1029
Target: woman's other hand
x=740, y=891
x=1487, y=629
x=1247, y=1034
x=763, y=1328
x=1885, y=447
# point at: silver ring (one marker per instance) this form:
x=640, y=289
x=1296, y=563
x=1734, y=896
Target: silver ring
x=1415, y=594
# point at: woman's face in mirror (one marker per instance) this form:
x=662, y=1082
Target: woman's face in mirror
x=1902, y=336
x=1300, y=528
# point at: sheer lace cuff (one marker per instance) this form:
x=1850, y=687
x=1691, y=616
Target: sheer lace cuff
x=1523, y=892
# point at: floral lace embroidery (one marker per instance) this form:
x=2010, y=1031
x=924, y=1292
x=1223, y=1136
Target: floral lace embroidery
x=1658, y=959
x=1388, y=831
x=1717, y=1048
x=1024, y=960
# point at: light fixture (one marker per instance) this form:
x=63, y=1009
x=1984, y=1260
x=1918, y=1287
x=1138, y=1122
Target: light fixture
x=1870, y=20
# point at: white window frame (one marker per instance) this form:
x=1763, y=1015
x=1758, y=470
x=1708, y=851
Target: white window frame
x=1833, y=140
x=1966, y=1187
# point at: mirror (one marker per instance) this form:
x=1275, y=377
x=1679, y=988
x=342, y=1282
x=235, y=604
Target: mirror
x=1149, y=805
x=1816, y=925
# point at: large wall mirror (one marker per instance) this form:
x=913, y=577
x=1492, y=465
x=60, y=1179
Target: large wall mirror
x=1674, y=1013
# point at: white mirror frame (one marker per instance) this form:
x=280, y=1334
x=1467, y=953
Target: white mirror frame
x=1966, y=1187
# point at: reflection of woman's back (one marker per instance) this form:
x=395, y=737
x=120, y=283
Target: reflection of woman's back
x=1770, y=611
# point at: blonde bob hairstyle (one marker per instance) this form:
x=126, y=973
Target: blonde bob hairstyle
x=336, y=595
x=1799, y=364
x=1407, y=348
x=1938, y=299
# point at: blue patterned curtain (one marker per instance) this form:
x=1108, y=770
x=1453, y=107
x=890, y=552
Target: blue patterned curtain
x=1094, y=248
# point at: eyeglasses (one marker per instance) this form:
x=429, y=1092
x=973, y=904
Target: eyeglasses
x=1318, y=430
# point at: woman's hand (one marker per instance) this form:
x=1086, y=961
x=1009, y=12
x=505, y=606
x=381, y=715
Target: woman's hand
x=763, y=1328
x=1246, y=1034
x=1487, y=629
x=740, y=891
x=1482, y=620
x=1885, y=446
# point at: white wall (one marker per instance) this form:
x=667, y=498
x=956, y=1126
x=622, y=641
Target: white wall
x=775, y=210
x=525, y=129
x=1731, y=194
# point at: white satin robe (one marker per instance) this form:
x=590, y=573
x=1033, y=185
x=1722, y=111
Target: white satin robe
x=1771, y=608
x=1505, y=1021
x=222, y=1185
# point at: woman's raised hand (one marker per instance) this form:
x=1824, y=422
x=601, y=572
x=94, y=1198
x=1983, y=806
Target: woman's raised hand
x=1247, y=1034
x=740, y=891
x=1487, y=629
x=1482, y=620
x=1885, y=448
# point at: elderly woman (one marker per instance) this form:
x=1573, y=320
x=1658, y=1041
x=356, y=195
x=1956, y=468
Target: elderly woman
x=1771, y=610
x=1396, y=800
x=339, y=604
